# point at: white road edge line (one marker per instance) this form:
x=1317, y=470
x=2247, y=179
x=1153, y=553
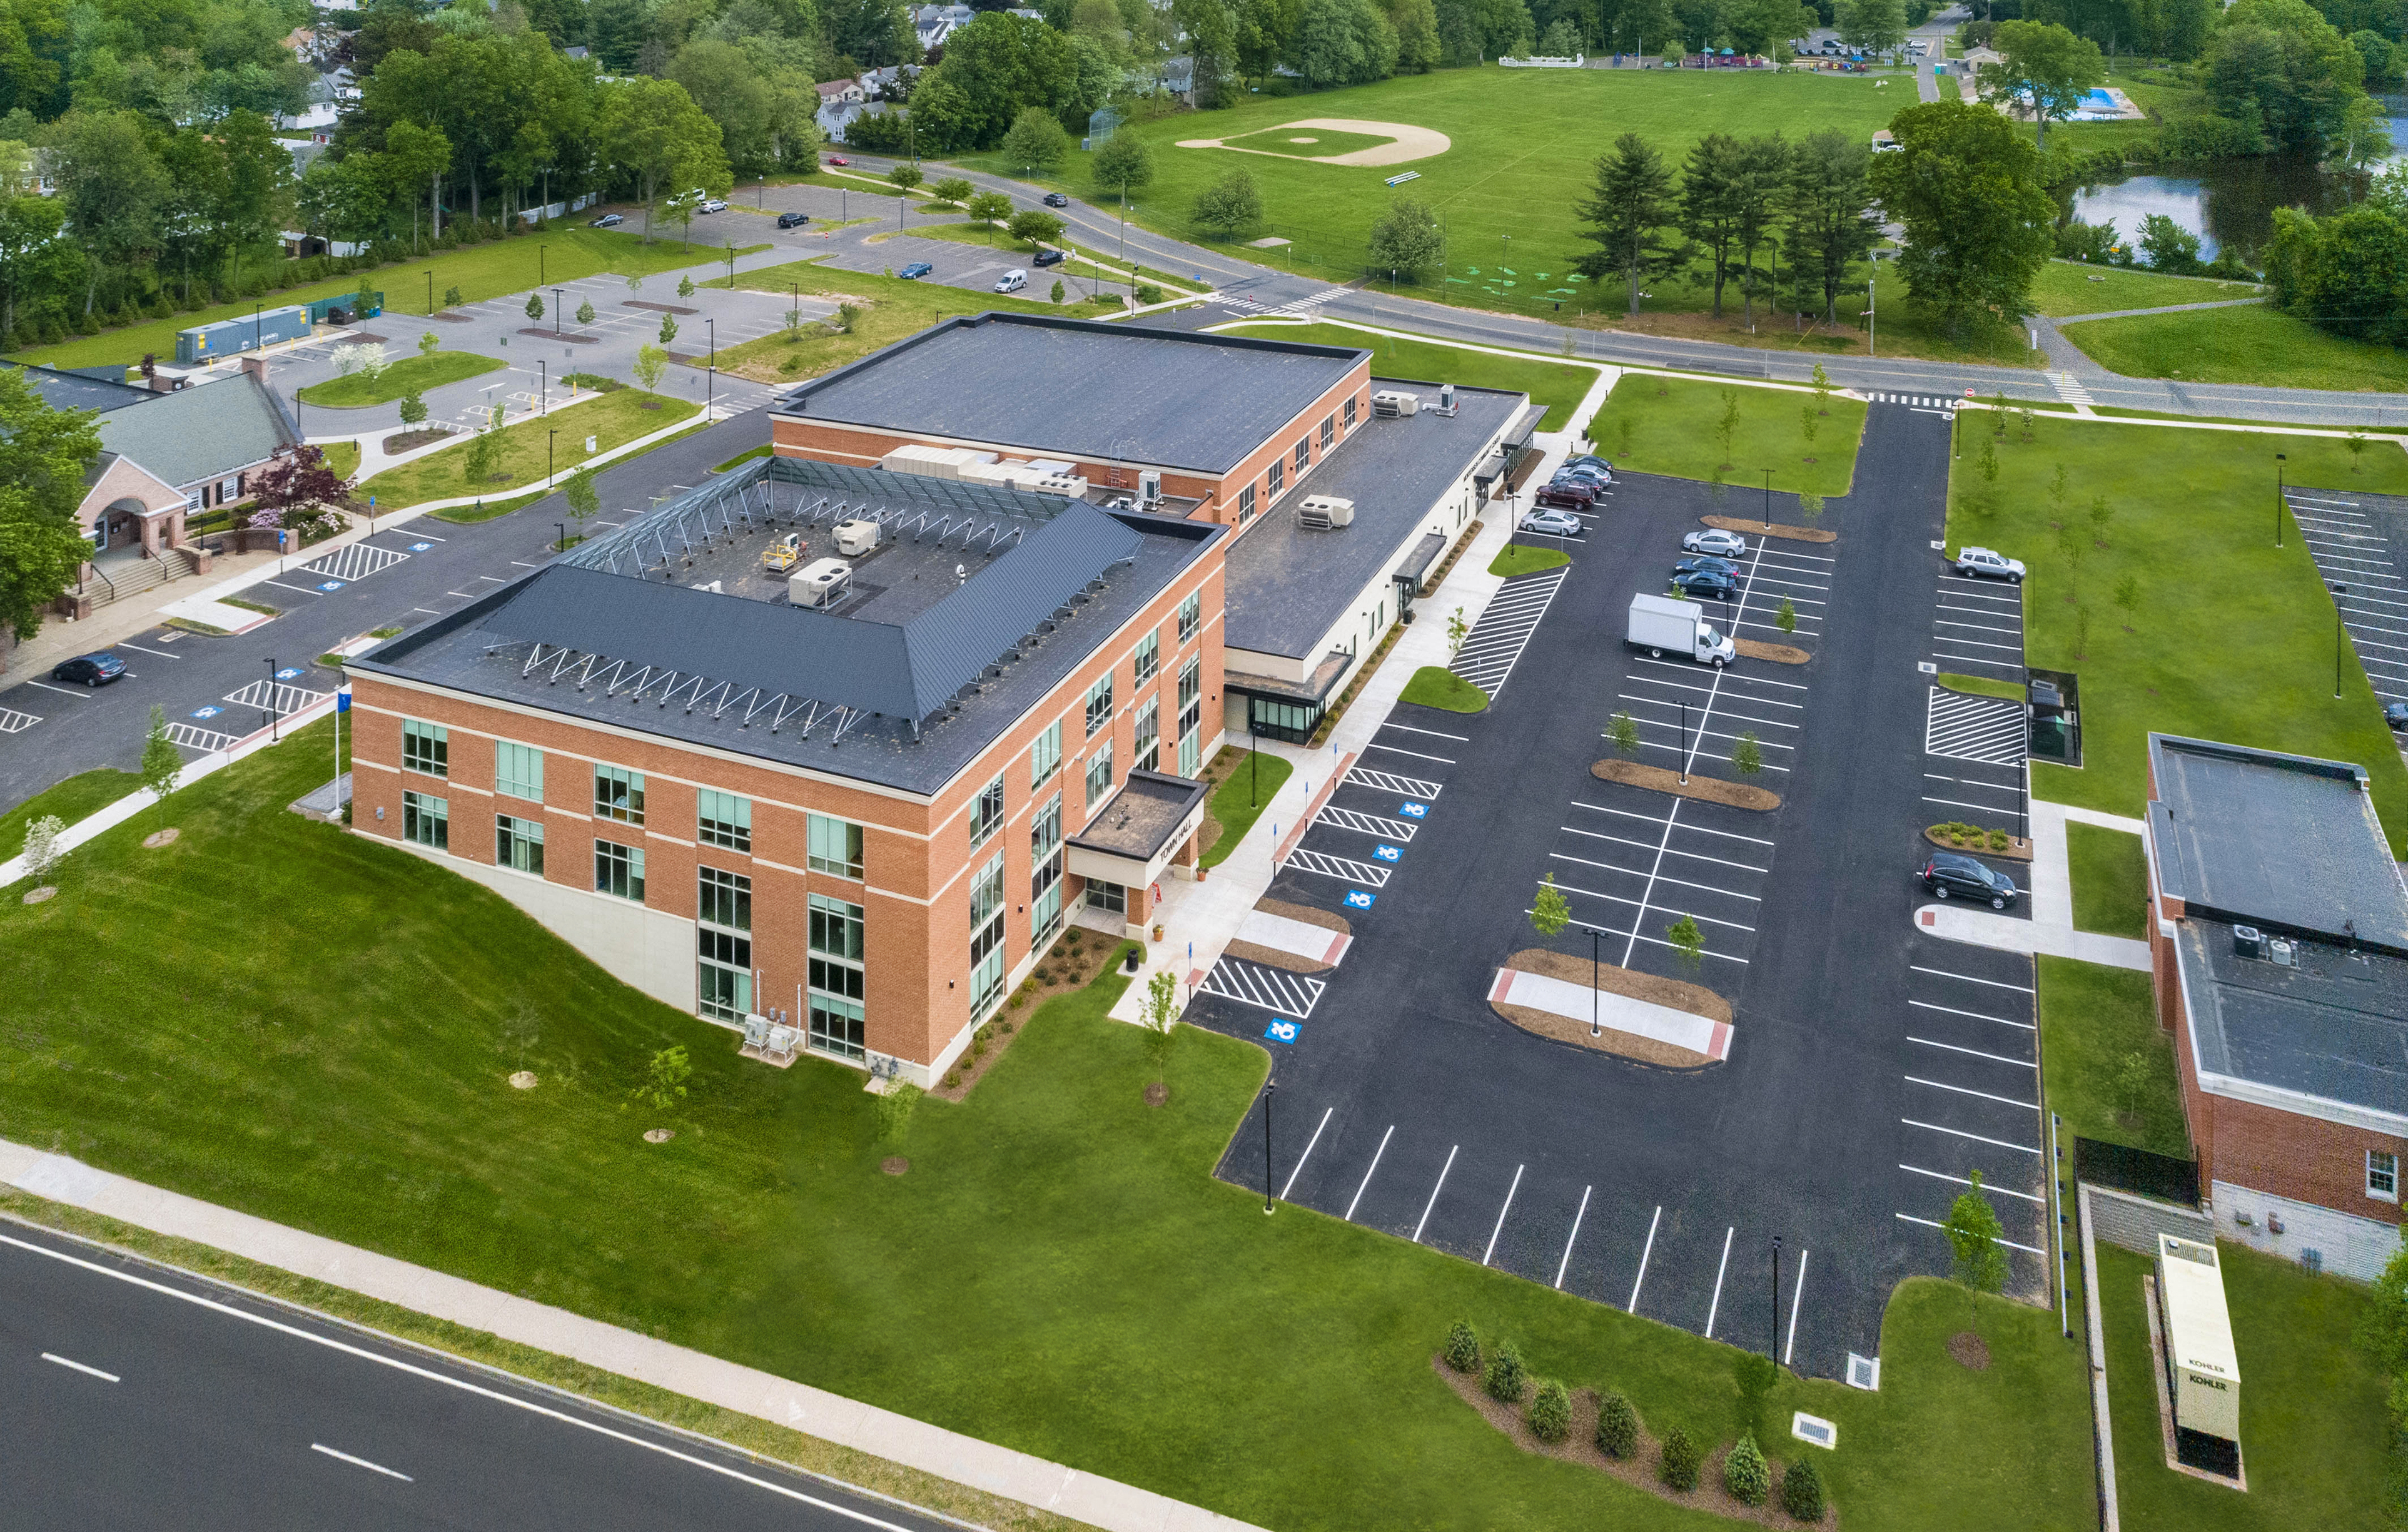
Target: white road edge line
x=1500, y=1216
x=78, y=1367
x=1307, y=1155
x=1566, y=1264
x=360, y=1462
x=1367, y=1174
x=432, y=1375
x=1641, y=1278
x=1716, y=1306
x=1796, y=1296
x=1434, y=1192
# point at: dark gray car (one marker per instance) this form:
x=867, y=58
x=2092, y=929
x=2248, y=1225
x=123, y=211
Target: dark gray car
x=1948, y=875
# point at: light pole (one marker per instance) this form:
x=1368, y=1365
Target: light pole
x=1595, y=981
x=1773, y=1350
x=712, y=326
x=543, y=387
x=555, y=311
x=258, y=336
x=564, y=535
x=2280, y=494
x=710, y=395
x=1872, y=342
x=2339, y=591
x=270, y=706
x=1269, y=1086
x=1684, y=744
x=1767, y=498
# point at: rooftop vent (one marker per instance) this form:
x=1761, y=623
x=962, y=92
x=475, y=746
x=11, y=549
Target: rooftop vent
x=1323, y=512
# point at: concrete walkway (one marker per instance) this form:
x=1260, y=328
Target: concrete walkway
x=2051, y=929
x=998, y=1471
x=2164, y=309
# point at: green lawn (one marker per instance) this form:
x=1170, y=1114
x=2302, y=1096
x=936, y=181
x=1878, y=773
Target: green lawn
x=2072, y=287
x=1059, y=1272
x=2311, y=1426
x=1522, y=559
x=2094, y=1021
x=342, y=457
x=2110, y=880
x=70, y=800
x=611, y=419
x=1324, y=142
x=419, y=373
x=2255, y=345
x=1435, y=686
x=1671, y=426
x=2237, y=606
x=890, y=306
x=742, y=458
x=1559, y=385
x=480, y=272
x=1981, y=686
x=1253, y=780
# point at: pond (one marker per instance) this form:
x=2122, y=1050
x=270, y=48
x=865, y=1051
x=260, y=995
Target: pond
x=2224, y=202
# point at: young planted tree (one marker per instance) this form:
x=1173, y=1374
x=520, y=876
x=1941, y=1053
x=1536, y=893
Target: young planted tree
x=2073, y=547
x=42, y=853
x=1058, y=290
x=663, y=1084
x=2056, y=488
x=1809, y=422
x=1229, y=206
x=1972, y=1231
x=1801, y=1491
x=2101, y=516
x=686, y=287
x=953, y=189
x=452, y=298
x=1822, y=385
x=413, y=409
x=428, y=345
x=586, y=312
x=1726, y=425
x=2128, y=598
x=1618, y=1425
x=161, y=762
x=1745, y=1473
x=1457, y=630
x=1551, y=913
x=669, y=329
x=1551, y=1412
x=1463, y=1347
x=2356, y=442
x=583, y=498
x=1034, y=227
x=1683, y=1458
x=1506, y=1380
x=1786, y=618
x=649, y=361
x=535, y=305
x=905, y=176
x=1747, y=753
x=1161, y=1013
x=1809, y=506
x=1624, y=732
x=1687, y=942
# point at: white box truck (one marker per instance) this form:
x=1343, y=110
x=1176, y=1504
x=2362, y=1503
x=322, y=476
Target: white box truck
x=2201, y=1371
x=1662, y=622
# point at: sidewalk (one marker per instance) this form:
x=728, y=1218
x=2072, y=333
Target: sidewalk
x=998, y=1471
x=60, y=639
x=2050, y=931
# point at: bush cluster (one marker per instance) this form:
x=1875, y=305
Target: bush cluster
x=1463, y=1348
x=1970, y=837
x=1551, y=1412
x=1506, y=1380
x=1617, y=1426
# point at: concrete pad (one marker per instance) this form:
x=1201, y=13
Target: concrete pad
x=1640, y=1018
x=214, y=613
x=2005, y=934
x=1317, y=943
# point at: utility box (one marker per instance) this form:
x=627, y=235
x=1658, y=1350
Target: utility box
x=2203, y=1375
x=855, y=538
x=205, y=343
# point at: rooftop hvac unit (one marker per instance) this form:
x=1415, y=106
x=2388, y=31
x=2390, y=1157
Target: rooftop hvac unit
x=2248, y=941
x=1149, y=488
x=1069, y=489
x=1445, y=405
x=1323, y=512
x=1392, y=402
x=855, y=538
x=821, y=582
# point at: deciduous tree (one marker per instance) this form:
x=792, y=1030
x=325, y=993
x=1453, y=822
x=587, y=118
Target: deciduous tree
x=1229, y=205
x=2044, y=69
x=1407, y=238
x=43, y=456
x=1967, y=187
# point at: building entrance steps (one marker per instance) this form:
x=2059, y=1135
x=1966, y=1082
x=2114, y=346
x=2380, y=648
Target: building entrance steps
x=1615, y=1012
x=2006, y=933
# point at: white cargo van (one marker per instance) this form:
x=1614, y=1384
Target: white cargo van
x=1011, y=281
x=1661, y=622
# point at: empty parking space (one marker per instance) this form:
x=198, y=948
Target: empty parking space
x=1687, y=713
x=1968, y=1094
x=1782, y=577
x=1633, y=864
x=1977, y=627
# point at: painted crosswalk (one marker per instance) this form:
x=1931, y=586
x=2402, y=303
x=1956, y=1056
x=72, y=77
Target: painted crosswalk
x=1973, y=728
x=2070, y=388
x=1388, y=782
x=1504, y=629
x=1345, y=869
x=354, y=560
x=1311, y=303
x=1264, y=987
x=1919, y=401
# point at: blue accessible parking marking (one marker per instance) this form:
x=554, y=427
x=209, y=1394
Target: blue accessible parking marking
x=1357, y=899
x=1282, y=1031
x=1413, y=810
x=330, y=584
x=1386, y=854
x=288, y=672
x=420, y=547
x=204, y=712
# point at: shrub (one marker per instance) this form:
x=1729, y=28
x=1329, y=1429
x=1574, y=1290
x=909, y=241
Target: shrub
x=1506, y=1379
x=1551, y=1412
x=1148, y=294
x=1745, y=1473
x=1997, y=840
x=1801, y=1491
x=1617, y=1426
x=1682, y=1458
x=1463, y=1347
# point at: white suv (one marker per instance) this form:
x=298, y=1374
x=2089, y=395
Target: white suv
x=1971, y=561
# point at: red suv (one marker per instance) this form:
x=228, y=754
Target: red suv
x=1566, y=495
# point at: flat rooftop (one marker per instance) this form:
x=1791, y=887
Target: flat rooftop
x=1137, y=821
x=2285, y=842
x=903, y=685
x=2335, y=1028
x=1099, y=392
x=1285, y=586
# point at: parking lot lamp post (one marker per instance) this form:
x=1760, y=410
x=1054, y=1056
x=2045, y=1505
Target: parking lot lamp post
x=271, y=707
x=1684, y=744
x=2280, y=494
x=555, y=311
x=1873, y=346
x=542, y=387
x=564, y=535
x=710, y=395
x=1268, y=1087
x=1597, y=976
x=1772, y=1349
x=2339, y=591
x=711, y=327
x=1767, y=499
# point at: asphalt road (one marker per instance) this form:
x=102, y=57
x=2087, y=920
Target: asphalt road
x=1871, y=1067
x=134, y=1395
x=427, y=568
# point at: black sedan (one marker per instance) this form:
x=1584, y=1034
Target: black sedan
x=1706, y=585
x=1049, y=258
x=90, y=669
x=1696, y=562
x=1056, y=199
x=793, y=221
x=1950, y=874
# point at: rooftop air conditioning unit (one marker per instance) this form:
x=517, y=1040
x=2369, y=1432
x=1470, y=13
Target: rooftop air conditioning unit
x=2283, y=952
x=1069, y=489
x=1149, y=488
x=855, y=538
x=1323, y=512
x=820, y=583
x=2248, y=941
x=1445, y=405
x=1390, y=403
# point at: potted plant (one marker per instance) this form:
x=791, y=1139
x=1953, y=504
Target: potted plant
x=1157, y=930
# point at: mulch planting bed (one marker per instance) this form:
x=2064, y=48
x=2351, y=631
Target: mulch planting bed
x=402, y=441
x=1696, y=999
x=1778, y=529
x=1065, y=967
x=1707, y=789
x=1756, y=648
x=656, y=308
x=1969, y=1350
x=2017, y=851
x=451, y=318
x=565, y=337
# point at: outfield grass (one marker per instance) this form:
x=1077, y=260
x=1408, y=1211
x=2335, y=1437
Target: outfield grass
x=1670, y=425
x=1249, y=781
x=2093, y=1021
x=890, y=306
x=1435, y=686
x=480, y=272
x=1059, y=1272
x=2251, y=345
x=419, y=373
x=1559, y=385
x=611, y=419
x=2235, y=606
x=2312, y=1426
x=70, y=800
x=1522, y=559
x=2075, y=287
x=2110, y=880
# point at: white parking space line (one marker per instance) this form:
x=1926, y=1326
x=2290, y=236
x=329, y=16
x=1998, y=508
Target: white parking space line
x=301, y=590
x=139, y=649
x=1639, y=936
x=1395, y=750
x=1697, y=829
x=1941, y=1175
x=1976, y=1015
x=83, y=696
x=361, y=1463
x=1643, y=1256
x=1487, y=1254
x=1369, y=1173
x=1566, y=1264
x=1434, y=1192
x=1289, y=1184
x=1994, y=983
x=1694, y=856
x=1641, y=905
x=1959, y=1133
x=1716, y=1306
x=78, y=1367
x=1634, y=872
x=1961, y=1090
x=1975, y=1052
x=1797, y=1298
x=1935, y=1224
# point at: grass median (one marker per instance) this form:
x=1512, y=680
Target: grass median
x=612, y=419
x=2110, y=880
x=412, y=374
x=888, y=307
x=1673, y=427
x=1059, y=1272
x=70, y=800
x=1435, y=686
x=1559, y=386
x=2232, y=605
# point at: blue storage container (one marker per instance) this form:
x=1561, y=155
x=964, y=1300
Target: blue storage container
x=205, y=343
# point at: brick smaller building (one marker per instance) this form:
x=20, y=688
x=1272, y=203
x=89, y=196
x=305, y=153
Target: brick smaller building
x=2279, y=936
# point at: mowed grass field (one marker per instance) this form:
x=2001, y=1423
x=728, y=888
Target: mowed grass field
x=2067, y=288
x=2245, y=345
x=1673, y=425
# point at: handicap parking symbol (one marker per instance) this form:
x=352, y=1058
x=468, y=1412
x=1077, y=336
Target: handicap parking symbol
x=204, y=712
x=288, y=672
x=1282, y=1031
x=420, y=547
x=1357, y=899
x=1415, y=811
x=330, y=584
x=1387, y=853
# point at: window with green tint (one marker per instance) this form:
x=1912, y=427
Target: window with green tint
x=427, y=820
x=619, y=794
x=518, y=770
x=834, y=845
x=619, y=870
x=427, y=748
x=1099, y=776
x=987, y=813
x=1045, y=756
x=517, y=843
x=1100, y=705
x=724, y=819
x=1148, y=659
x=1190, y=616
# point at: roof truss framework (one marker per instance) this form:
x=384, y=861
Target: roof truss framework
x=665, y=686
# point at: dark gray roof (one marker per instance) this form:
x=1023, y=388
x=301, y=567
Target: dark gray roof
x=82, y=389
x=1285, y=586
x=1173, y=398
x=2335, y=1028
x=2282, y=841
x=1137, y=821
x=201, y=433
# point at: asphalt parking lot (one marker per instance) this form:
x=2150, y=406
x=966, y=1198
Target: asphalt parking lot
x=1871, y=1069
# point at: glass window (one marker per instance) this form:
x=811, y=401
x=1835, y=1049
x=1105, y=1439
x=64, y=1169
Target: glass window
x=518, y=770
x=835, y=1026
x=517, y=843
x=1350, y=413
x=835, y=949
x=1303, y=455
x=1045, y=855
x=1045, y=756
x=724, y=898
x=987, y=813
x=1191, y=717
x=1278, y=476
x=1099, y=775
x=1190, y=616
x=723, y=819
x=619, y=794
x=1107, y=897
x=836, y=846
x=986, y=937
x=619, y=870
x=426, y=821
x=425, y=747
x=1100, y=705
x=1245, y=504
x=723, y=947
x=2383, y=1174
x=1149, y=657
x=1147, y=755
x=1328, y=433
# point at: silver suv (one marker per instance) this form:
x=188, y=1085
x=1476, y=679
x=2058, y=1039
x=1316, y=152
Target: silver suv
x=1991, y=564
